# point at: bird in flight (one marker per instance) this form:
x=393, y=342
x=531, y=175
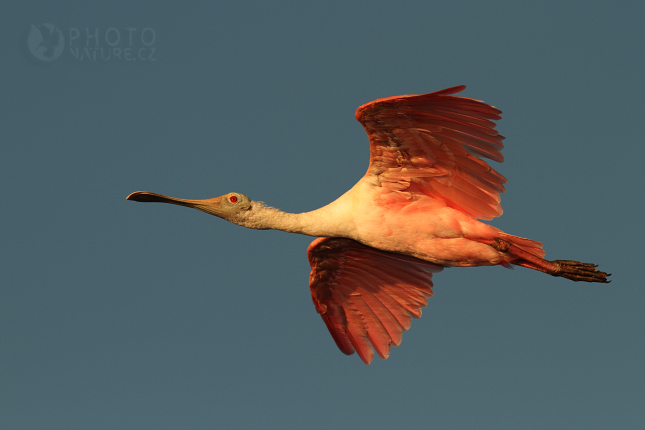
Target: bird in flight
x=414, y=212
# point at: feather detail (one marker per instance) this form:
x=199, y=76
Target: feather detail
x=437, y=141
x=365, y=296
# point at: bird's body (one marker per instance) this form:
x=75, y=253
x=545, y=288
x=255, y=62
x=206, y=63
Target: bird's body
x=415, y=211
x=426, y=228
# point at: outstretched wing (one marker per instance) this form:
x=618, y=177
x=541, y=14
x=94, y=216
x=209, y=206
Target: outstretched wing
x=366, y=296
x=433, y=145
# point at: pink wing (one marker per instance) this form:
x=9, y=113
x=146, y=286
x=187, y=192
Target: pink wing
x=432, y=145
x=366, y=296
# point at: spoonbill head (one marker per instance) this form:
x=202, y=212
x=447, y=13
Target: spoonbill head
x=229, y=206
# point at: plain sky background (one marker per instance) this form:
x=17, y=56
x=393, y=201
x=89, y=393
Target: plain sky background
x=120, y=315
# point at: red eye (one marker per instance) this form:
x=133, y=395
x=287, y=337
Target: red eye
x=232, y=199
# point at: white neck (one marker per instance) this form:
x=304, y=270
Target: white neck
x=327, y=221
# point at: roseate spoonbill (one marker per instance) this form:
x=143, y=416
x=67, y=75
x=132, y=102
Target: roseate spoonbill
x=414, y=212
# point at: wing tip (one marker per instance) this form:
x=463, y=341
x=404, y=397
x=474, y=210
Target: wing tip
x=445, y=92
x=448, y=91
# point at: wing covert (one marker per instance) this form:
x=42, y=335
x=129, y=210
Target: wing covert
x=433, y=145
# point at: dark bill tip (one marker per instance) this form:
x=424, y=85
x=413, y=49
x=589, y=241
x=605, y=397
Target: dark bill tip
x=141, y=196
x=144, y=196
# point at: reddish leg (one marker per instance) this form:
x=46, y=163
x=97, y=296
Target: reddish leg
x=574, y=270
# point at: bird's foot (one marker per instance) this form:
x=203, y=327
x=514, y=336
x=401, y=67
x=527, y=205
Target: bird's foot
x=577, y=271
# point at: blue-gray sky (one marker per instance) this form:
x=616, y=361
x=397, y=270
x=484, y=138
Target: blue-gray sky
x=118, y=315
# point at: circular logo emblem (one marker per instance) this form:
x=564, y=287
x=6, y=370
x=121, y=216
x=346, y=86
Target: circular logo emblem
x=45, y=42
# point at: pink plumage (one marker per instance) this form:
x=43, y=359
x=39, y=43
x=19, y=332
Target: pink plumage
x=366, y=296
x=436, y=142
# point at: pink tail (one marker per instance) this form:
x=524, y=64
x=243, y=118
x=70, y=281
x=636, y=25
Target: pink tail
x=531, y=246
